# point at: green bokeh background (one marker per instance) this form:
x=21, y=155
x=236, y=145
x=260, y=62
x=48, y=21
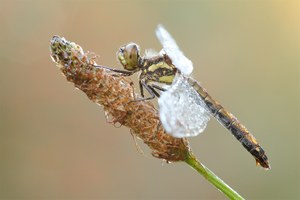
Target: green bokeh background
x=56, y=144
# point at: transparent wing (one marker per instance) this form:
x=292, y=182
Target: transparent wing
x=182, y=111
x=172, y=50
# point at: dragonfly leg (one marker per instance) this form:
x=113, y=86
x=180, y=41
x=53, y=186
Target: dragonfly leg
x=158, y=87
x=150, y=89
x=123, y=72
x=154, y=91
x=141, y=89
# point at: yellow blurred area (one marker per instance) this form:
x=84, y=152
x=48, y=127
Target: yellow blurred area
x=56, y=144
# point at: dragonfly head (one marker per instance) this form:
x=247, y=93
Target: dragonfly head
x=129, y=56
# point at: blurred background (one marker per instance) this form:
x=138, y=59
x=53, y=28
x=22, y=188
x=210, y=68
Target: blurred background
x=56, y=144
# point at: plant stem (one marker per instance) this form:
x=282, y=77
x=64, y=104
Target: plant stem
x=212, y=178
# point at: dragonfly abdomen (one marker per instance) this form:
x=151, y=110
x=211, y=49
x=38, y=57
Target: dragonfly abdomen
x=230, y=122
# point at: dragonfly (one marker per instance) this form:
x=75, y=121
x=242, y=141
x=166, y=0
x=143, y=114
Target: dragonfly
x=185, y=106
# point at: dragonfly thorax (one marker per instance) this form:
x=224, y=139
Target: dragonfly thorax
x=129, y=56
x=157, y=69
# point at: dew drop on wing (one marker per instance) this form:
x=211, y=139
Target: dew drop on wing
x=182, y=111
x=172, y=50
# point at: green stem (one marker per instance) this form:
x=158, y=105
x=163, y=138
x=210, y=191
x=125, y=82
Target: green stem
x=212, y=178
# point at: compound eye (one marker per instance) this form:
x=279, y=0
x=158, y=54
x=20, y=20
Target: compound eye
x=128, y=56
x=132, y=49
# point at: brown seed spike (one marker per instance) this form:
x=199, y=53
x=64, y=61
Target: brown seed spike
x=115, y=93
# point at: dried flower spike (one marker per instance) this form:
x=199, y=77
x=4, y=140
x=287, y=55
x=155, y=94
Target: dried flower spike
x=115, y=93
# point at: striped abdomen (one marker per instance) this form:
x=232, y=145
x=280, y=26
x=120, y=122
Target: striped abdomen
x=233, y=125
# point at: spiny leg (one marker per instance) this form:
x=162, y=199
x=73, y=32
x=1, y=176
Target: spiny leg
x=123, y=72
x=151, y=91
x=158, y=87
x=152, y=87
x=154, y=91
x=141, y=89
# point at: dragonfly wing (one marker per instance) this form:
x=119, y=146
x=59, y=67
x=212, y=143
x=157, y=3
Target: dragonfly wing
x=182, y=111
x=172, y=50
